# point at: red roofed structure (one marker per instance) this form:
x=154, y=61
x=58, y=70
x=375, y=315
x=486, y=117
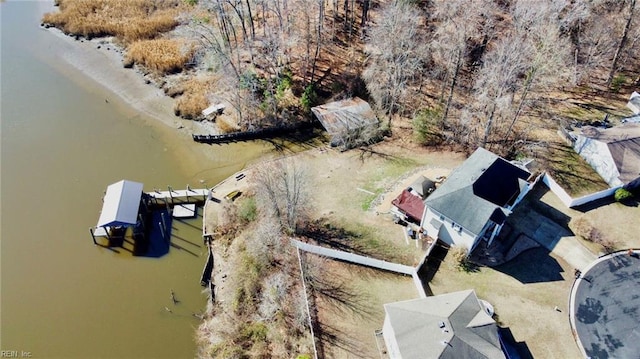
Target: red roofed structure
x=410, y=205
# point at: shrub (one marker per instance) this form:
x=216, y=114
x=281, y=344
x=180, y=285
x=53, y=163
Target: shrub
x=162, y=56
x=617, y=82
x=461, y=259
x=309, y=98
x=427, y=126
x=194, y=98
x=225, y=125
x=584, y=228
x=254, y=332
x=622, y=195
x=247, y=210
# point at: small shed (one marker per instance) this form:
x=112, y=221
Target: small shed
x=121, y=204
x=422, y=187
x=213, y=109
x=349, y=122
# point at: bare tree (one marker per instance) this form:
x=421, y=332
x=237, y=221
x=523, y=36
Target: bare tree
x=622, y=42
x=397, y=53
x=547, y=55
x=283, y=192
x=497, y=82
x=461, y=26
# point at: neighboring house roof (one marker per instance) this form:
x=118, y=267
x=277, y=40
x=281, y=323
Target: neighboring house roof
x=343, y=116
x=453, y=325
x=423, y=186
x=619, y=149
x=634, y=103
x=479, y=190
x=410, y=204
x=121, y=204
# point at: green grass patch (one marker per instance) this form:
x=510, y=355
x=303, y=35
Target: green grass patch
x=383, y=176
x=571, y=171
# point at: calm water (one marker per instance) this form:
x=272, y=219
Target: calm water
x=61, y=146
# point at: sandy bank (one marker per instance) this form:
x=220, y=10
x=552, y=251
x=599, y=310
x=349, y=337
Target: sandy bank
x=101, y=61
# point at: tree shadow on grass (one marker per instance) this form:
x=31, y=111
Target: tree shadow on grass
x=335, y=290
x=533, y=266
x=365, y=244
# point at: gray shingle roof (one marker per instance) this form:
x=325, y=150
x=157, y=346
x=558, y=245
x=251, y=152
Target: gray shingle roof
x=468, y=332
x=478, y=190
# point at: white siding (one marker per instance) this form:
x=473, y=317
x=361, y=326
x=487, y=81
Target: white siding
x=390, y=339
x=448, y=233
x=597, y=155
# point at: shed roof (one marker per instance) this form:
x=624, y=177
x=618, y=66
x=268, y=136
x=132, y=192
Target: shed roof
x=423, y=186
x=340, y=116
x=121, y=204
x=453, y=325
x=410, y=204
x=477, y=190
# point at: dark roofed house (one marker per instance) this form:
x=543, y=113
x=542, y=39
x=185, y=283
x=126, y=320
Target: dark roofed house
x=349, y=122
x=453, y=325
x=613, y=152
x=475, y=200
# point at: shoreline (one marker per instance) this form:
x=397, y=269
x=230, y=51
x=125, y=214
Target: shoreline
x=100, y=60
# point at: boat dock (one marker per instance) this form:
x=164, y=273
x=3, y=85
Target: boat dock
x=125, y=205
x=251, y=135
x=183, y=196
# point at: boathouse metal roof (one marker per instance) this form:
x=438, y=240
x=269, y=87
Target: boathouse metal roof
x=121, y=204
x=343, y=119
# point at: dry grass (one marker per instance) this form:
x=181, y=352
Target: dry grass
x=582, y=226
x=227, y=125
x=195, y=97
x=128, y=20
x=524, y=293
x=162, y=56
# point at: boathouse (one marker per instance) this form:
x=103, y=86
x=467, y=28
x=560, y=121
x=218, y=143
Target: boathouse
x=350, y=122
x=121, y=204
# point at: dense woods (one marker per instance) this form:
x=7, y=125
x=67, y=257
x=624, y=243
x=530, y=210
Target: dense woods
x=470, y=73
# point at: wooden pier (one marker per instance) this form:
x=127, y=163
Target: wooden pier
x=183, y=196
x=250, y=135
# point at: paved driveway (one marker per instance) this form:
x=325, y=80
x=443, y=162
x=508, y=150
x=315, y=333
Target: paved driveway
x=556, y=239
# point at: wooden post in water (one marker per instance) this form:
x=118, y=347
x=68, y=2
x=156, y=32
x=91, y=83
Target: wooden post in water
x=93, y=236
x=187, y=192
x=170, y=195
x=164, y=222
x=166, y=203
x=141, y=219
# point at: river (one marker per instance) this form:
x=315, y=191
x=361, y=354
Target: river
x=62, y=144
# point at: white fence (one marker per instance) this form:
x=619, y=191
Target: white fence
x=573, y=202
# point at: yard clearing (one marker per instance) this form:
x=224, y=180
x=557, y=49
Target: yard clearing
x=352, y=191
x=524, y=292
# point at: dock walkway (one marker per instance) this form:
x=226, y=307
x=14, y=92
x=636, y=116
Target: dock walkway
x=188, y=195
x=354, y=258
x=250, y=135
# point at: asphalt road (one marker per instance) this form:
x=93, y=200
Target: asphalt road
x=606, y=308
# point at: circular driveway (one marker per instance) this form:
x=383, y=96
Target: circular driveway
x=605, y=307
